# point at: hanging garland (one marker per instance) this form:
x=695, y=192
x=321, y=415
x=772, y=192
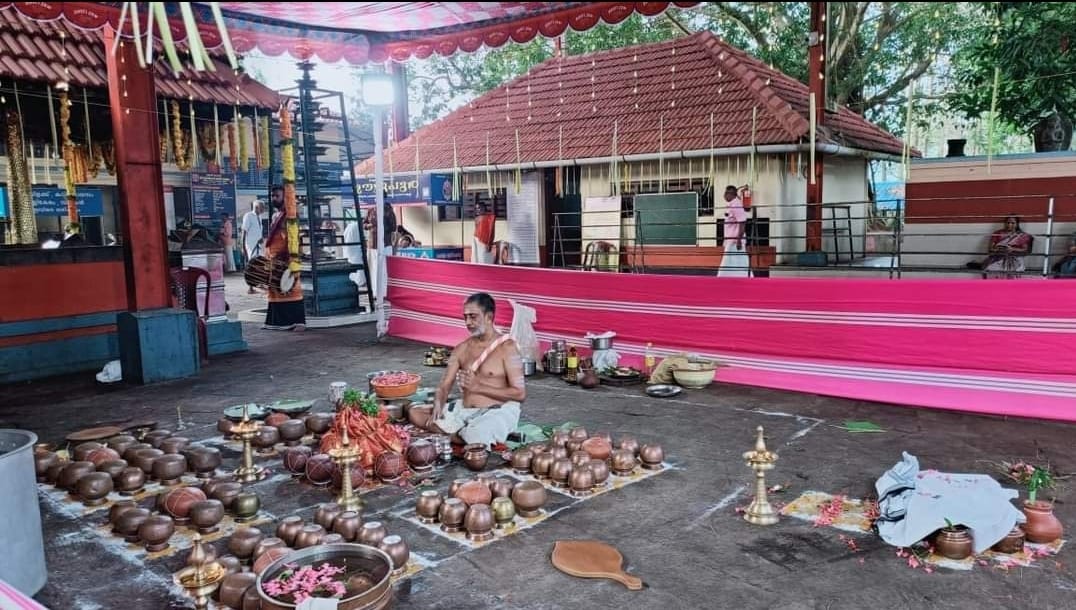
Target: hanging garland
x=287, y=161
x=263, y=141
x=68, y=156
x=23, y=226
x=244, y=151
x=233, y=156
x=180, y=142
x=106, y=152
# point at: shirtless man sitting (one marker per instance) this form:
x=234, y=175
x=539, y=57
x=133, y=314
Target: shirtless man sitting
x=489, y=370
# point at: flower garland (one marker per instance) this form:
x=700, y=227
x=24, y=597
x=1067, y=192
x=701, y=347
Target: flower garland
x=233, y=156
x=244, y=151
x=68, y=156
x=23, y=227
x=106, y=152
x=263, y=142
x=207, y=143
x=180, y=142
x=287, y=158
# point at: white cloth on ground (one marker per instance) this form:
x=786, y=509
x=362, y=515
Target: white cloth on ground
x=485, y=426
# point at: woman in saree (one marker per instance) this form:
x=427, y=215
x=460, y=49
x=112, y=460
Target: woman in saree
x=1008, y=247
x=286, y=309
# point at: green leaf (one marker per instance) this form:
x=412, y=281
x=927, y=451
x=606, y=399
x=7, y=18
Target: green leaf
x=862, y=426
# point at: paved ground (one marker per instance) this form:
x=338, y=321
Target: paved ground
x=678, y=531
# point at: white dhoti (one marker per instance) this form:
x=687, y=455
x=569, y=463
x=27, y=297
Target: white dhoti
x=485, y=426
x=734, y=262
x=480, y=252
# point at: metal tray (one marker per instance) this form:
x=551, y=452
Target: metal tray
x=663, y=390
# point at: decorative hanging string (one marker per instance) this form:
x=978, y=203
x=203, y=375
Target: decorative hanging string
x=711, y=177
x=614, y=184
x=456, y=174
x=753, y=176
x=216, y=135
x=906, y=153
x=519, y=166
x=48, y=166
x=257, y=140
x=52, y=117
x=559, y=178
x=489, y=177
x=661, y=155
x=195, y=154
x=86, y=115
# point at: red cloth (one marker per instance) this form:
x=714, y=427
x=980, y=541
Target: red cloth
x=484, y=228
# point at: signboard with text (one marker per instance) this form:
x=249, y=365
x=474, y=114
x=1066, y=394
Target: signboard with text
x=212, y=194
x=52, y=201
x=431, y=189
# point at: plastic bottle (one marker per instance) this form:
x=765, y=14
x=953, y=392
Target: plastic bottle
x=648, y=360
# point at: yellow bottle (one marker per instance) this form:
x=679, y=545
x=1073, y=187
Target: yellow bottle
x=648, y=360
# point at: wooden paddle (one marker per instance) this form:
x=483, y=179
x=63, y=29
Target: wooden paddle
x=592, y=559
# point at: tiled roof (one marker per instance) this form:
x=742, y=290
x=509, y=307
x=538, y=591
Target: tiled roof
x=678, y=83
x=32, y=51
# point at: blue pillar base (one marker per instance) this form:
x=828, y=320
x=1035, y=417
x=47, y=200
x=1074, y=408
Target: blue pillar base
x=158, y=345
x=225, y=337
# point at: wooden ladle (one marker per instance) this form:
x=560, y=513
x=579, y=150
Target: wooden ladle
x=592, y=559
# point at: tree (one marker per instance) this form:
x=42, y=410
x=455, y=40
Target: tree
x=1025, y=48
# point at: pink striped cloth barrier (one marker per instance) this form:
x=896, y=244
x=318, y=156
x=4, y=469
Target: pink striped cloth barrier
x=1003, y=347
x=11, y=599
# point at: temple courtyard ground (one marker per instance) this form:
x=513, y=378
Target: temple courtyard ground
x=679, y=530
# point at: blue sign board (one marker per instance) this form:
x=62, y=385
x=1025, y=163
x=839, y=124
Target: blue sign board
x=3, y=203
x=431, y=189
x=212, y=194
x=443, y=254
x=52, y=201
x=441, y=190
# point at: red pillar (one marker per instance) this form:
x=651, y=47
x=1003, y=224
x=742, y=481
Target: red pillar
x=816, y=69
x=133, y=104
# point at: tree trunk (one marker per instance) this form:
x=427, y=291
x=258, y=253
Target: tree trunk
x=1053, y=133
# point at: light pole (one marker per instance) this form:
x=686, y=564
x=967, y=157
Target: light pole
x=378, y=94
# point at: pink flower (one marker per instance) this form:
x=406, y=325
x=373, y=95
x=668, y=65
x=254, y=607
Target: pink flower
x=928, y=569
x=913, y=562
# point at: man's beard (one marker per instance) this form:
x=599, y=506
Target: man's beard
x=479, y=331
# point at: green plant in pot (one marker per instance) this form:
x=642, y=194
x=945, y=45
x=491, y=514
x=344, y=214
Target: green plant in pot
x=953, y=541
x=1042, y=526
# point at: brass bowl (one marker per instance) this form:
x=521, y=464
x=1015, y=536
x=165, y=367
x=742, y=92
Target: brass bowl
x=580, y=458
x=541, y=464
x=622, y=462
x=292, y=431
x=205, y=515
x=204, y=461
x=227, y=492
x=651, y=456
x=502, y=488
x=130, y=481
x=122, y=443
x=118, y=509
x=581, y=480
x=174, y=444
x=83, y=450
x=600, y=470
x=144, y=458
x=629, y=443
x=504, y=511
x=72, y=472
x=169, y=468
x=155, y=532
x=560, y=471
x=578, y=433
x=375, y=563
x=128, y=523
x=245, y=507
x=265, y=544
x=112, y=468
x=129, y=453
x=319, y=423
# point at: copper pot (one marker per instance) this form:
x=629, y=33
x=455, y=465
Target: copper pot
x=479, y=523
x=295, y=459
x=178, y=502
x=265, y=560
x=455, y=486
x=651, y=456
x=118, y=509
x=954, y=543
x=319, y=423
x=227, y=492
x=598, y=448
x=559, y=453
x=580, y=458
x=130, y=481
x=224, y=426
x=629, y=443
x=581, y=480
x=288, y=528
x=169, y=468
x=358, y=476
x=234, y=586
x=429, y=502
x=266, y=439
x=529, y=497
x=155, y=532
x=310, y=535
x=292, y=431
x=265, y=545
x=42, y=461
x=502, y=488
x=475, y=456
x=559, y=438
x=600, y=470
x=72, y=472
x=129, y=453
x=541, y=463
x=396, y=549
x=144, y=458
x=276, y=419
x=245, y=507
x=347, y=524
x=128, y=523
x=504, y=511
x=389, y=466
x=421, y=455
x=94, y=488
x=82, y=451
x=112, y=468
x=155, y=437
x=371, y=533
x=122, y=443
x=1013, y=542
x=578, y=433
x=204, y=461
x=326, y=514
x=474, y=492
x=231, y=564
x=560, y=471
x=623, y=462
x=573, y=445
x=210, y=486
x=1042, y=526
x=333, y=538
x=451, y=514
x=521, y=460
x=102, y=454
x=52, y=474
x=174, y=444
x=319, y=469
x=243, y=542
x=205, y=515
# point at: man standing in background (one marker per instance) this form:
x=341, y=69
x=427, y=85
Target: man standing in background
x=251, y=234
x=227, y=239
x=485, y=225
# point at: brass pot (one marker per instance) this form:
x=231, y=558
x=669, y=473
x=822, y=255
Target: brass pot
x=94, y=488
x=578, y=433
x=155, y=532
x=396, y=549
x=559, y=452
x=245, y=507
x=651, y=456
x=310, y=535
x=112, y=468
x=475, y=456
x=474, y=492
x=288, y=528
x=130, y=481
x=502, y=488
x=389, y=466
x=120, y=444
x=479, y=523
x=529, y=497
x=292, y=432
x=227, y=492
x=623, y=462
x=954, y=543
x=174, y=444
x=128, y=523
x=205, y=515
x=265, y=544
x=421, y=455
x=559, y=438
x=72, y=472
x=1013, y=542
x=1042, y=525
x=504, y=511
x=560, y=471
x=573, y=445
x=243, y=542
x=629, y=443
x=82, y=451
x=204, y=461
x=451, y=514
x=295, y=459
x=597, y=448
x=581, y=480
x=169, y=468
x=326, y=514
x=347, y=525
x=427, y=506
x=332, y=538
x=600, y=470
x=541, y=463
x=521, y=460
x=371, y=533
x=580, y=458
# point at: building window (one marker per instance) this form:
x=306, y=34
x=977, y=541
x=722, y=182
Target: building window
x=449, y=213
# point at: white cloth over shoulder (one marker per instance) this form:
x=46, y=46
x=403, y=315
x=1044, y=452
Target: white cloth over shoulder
x=480, y=426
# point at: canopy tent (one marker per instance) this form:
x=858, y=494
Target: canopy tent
x=361, y=32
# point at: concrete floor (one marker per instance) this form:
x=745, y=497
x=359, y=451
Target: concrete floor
x=678, y=531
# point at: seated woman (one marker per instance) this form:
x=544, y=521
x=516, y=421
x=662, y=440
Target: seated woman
x=1066, y=267
x=1008, y=247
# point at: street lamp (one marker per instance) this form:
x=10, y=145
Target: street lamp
x=378, y=94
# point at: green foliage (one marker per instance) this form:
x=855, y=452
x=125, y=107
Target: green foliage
x=1040, y=479
x=1033, y=56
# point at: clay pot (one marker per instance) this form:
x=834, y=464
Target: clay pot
x=267, y=558
x=389, y=466
x=204, y=461
x=288, y=528
x=178, y=502
x=155, y=437
x=319, y=469
x=559, y=438
x=224, y=426
x=227, y=492
x=276, y=419
x=560, y=471
x=174, y=444
x=573, y=445
x=651, y=456
x=580, y=458
x=475, y=456
x=521, y=460
x=451, y=514
x=347, y=524
x=119, y=508
x=529, y=497
x=629, y=443
x=371, y=533
x=295, y=459
x=326, y=514
x=954, y=544
x=130, y=481
x=578, y=433
x=622, y=462
x=1013, y=542
x=94, y=488
x=234, y=586
x=455, y=486
x=101, y=455
x=292, y=431
x=169, y=468
x=266, y=439
x=358, y=476
x=504, y=511
x=319, y=423
x=541, y=463
x=243, y=542
x=155, y=532
x=502, y=488
x=82, y=451
x=598, y=448
x=52, y=473
x=245, y=507
x=429, y=502
x=421, y=455
x=581, y=480
x=144, y=458
x=600, y=470
x=396, y=549
x=474, y=492
x=112, y=468
x=121, y=443
x=1042, y=526
x=265, y=545
x=42, y=461
x=128, y=523
x=479, y=522
x=72, y=472
x=309, y=535
x=205, y=515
